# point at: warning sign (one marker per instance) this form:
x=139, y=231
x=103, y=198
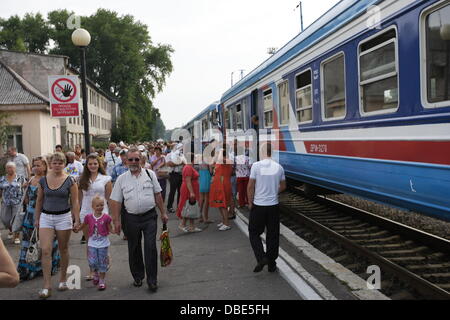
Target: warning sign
x=64, y=96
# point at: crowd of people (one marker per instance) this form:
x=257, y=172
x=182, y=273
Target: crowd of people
x=117, y=191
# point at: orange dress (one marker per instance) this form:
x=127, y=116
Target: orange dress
x=220, y=193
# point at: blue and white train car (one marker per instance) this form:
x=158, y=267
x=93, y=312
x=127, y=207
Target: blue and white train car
x=209, y=119
x=361, y=99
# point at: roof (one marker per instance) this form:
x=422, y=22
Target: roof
x=332, y=20
x=16, y=90
x=210, y=108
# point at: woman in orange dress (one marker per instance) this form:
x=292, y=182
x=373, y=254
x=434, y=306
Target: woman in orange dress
x=190, y=189
x=220, y=192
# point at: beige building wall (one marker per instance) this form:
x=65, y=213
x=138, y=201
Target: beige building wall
x=38, y=130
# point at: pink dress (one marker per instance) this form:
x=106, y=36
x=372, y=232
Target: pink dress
x=188, y=171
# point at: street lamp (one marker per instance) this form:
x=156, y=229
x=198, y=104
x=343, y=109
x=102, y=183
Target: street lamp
x=81, y=38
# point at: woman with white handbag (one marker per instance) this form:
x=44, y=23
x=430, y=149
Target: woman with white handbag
x=29, y=260
x=188, y=209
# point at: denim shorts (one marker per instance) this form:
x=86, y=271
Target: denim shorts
x=98, y=259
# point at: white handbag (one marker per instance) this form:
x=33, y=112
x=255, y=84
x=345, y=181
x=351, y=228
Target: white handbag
x=191, y=211
x=33, y=254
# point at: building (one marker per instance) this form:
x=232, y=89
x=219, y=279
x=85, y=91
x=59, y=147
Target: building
x=103, y=109
x=34, y=131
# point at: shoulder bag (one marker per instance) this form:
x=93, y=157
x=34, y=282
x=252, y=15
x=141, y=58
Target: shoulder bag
x=33, y=254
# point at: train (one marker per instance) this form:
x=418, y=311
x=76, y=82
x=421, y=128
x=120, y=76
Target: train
x=360, y=103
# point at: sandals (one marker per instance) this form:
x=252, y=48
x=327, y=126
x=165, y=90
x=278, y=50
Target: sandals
x=195, y=230
x=102, y=285
x=45, y=293
x=63, y=286
x=184, y=229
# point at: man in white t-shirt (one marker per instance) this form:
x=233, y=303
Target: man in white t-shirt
x=74, y=168
x=22, y=163
x=267, y=180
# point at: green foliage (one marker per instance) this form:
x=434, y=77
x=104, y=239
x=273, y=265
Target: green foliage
x=121, y=59
x=30, y=34
x=4, y=128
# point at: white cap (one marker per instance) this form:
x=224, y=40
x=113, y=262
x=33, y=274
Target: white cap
x=141, y=148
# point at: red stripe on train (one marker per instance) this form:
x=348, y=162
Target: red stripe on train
x=437, y=152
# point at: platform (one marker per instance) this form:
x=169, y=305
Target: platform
x=209, y=265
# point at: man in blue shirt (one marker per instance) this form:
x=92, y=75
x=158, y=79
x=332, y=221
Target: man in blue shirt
x=118, y=170
x=121, y=167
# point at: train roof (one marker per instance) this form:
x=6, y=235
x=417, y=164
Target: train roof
x=210, y=108
x=339, y=15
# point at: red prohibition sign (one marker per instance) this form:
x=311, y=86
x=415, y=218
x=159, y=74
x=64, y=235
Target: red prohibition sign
x=71, y=95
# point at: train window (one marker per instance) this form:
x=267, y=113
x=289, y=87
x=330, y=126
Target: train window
x=204, y=125
x=378, y=73
x=283, y=93
x=437, y=33
x=333, y=87
x=239, y=117
x=244, y=110
x=303, y=97
x=268, y=108
x=227, y=118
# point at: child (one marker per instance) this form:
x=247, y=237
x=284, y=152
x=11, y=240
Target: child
x=99, y=227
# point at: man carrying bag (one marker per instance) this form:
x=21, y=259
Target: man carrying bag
x=141, y=193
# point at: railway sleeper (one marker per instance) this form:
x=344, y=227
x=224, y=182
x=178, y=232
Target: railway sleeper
x=378, y=240
x=371, y=236
x=388, y=246
x=437, y=266
x=359, y=226
x=403, y=252
x=437, y=277
x=350, y=223
x=332, y=220
x=358, y=231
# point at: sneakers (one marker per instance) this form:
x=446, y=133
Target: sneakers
x=224, y=228
x=195, y=230
x=17, y=241
x=219, y=225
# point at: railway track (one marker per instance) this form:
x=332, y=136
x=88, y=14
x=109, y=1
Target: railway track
x=413, y=264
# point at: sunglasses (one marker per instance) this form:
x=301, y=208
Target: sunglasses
x=134, y=160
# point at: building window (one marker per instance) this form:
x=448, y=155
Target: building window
x=303, y=97
x=378, y=73
x=437, y=33
x=333, y=88
x=15, y=138
x=268, y=108
x=283, y=94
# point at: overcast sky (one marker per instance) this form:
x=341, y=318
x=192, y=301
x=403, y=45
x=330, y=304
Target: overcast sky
x=211, y=38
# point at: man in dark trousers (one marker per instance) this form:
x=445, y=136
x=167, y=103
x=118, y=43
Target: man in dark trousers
x=267, y=180
x=141, y=193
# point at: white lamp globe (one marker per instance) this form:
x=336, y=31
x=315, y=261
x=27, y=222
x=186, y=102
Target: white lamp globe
x=445, y=32
x=81, y=38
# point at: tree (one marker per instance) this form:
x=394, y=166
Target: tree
x=121, y=59
x=30, y=34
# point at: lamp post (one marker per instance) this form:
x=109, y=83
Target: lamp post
x=81, y=38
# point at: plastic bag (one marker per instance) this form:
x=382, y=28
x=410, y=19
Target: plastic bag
x=166, y=255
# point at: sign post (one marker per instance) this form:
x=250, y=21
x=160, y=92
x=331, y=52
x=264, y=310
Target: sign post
x=64, y=96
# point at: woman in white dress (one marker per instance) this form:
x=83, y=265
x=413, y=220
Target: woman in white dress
x=93, y=181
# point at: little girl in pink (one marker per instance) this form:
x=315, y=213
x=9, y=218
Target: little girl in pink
x=99, y=228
